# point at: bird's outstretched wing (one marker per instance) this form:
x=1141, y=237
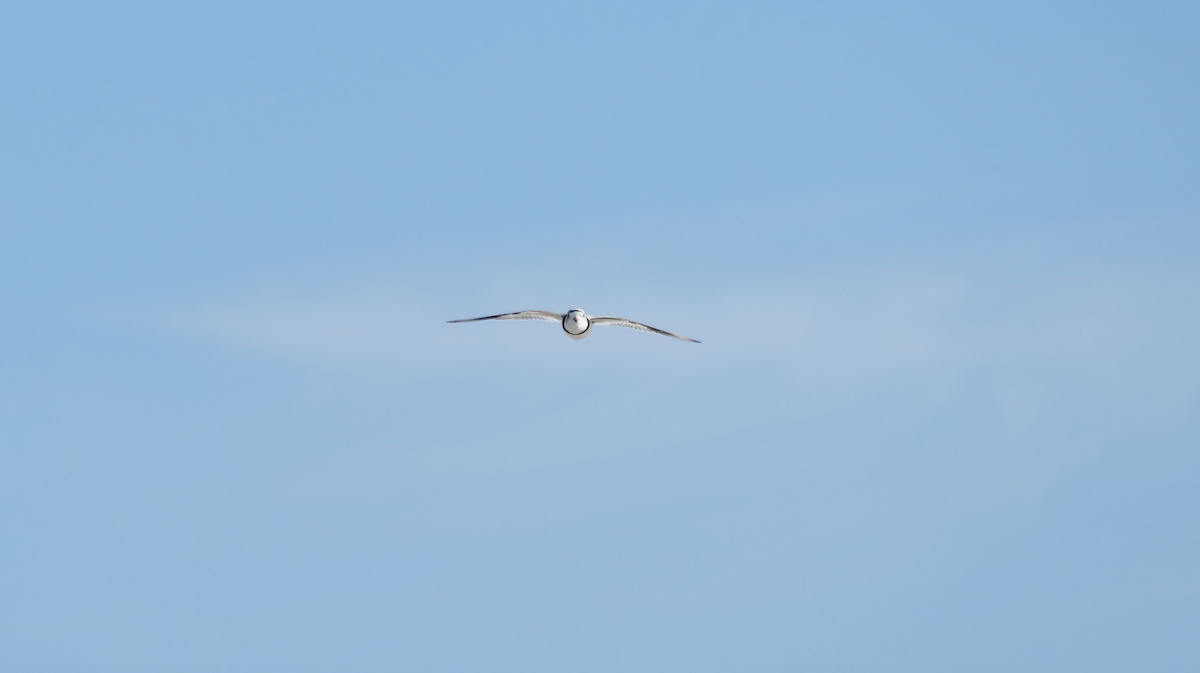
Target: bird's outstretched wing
x=519, y=315
x=622, y=322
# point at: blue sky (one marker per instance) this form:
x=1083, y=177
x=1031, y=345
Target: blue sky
x=942, y=260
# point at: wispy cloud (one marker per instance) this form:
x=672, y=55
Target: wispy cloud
x=846, y=331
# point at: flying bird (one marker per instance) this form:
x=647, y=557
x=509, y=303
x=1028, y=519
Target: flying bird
x=576, y=323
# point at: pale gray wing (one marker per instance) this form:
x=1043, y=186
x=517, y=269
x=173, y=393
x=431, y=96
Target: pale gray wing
x=519, y=315
x=622, y=322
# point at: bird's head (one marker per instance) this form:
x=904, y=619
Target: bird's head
x=577, y=315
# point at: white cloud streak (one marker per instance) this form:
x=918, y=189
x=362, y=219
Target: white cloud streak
x=845, y=331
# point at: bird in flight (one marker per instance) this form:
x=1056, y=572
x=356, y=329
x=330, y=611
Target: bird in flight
x=576, y=323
